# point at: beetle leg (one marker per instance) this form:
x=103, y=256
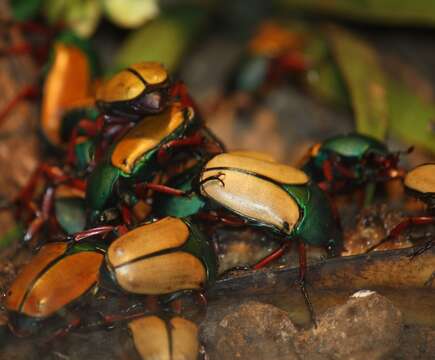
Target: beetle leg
x=273, y=256
x=328, y=172
x=165, y=189
x=52, y=173
x=127, y=215
x=417, y=252
x=42, y=216
x=402, y=226
x=193, y=140
x=179, y=91
x=92, y=232
x=27, y=92
x=302, y=273
x=89, y=127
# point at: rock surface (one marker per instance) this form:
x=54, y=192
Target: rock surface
x=368, y=326
x=252, y=330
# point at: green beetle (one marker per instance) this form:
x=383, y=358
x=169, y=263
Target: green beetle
x=160, y=258
x=267, y=194
x=58, y=276
x=346, y=161
x=135, y=157
x=139, y=90
x=158, y=338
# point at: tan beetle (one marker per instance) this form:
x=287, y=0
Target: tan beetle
x=139, y=90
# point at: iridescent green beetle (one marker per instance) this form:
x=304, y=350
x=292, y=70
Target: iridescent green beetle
x=157, y=338
x=276, y=197
x=347, y=161
x=135, y=157
x=160, y=258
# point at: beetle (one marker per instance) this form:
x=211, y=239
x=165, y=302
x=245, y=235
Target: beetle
x=136, y=157
x=67, y=83
x=307, y=212
x=158, y=338
x=344, y=162
x=132, y=93
x=186, y=181
x=275, y=197
x=420, y=184
x=272, y=54
x=165, y=257
x=56, y=278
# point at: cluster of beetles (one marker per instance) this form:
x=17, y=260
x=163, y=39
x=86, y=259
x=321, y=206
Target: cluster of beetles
x=122, y=211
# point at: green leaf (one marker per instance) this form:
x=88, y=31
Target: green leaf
x=130, y=13
x=325, y=82
x=362, y=72
x=164, y=39
x=373, y=11
x=81, y=16
x=412, y=116
x=23, y=10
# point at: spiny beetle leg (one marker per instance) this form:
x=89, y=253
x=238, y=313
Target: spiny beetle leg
x=89, y=128
x=273, y=256
x=420, y=250
x=101, y=230
x=127, y=215
x=165, y=189
x=302, y=273
x=42, y=216
x=401, y=227
x=73, y=324
x=196, y=139
x=179, y=91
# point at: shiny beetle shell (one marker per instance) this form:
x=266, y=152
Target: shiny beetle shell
x=261, y=198
x=158, y=339
x=421, y=179
x=160, y=258
x=136, y=153
x=148, y=134
x=53, y=279
x=274, y=196
x=67, y=82
x=184, y=206
x=353, y=145
x=138, y=90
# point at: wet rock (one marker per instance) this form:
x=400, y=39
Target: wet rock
x=252, y=331
x=416, y=343
x=368, y=326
